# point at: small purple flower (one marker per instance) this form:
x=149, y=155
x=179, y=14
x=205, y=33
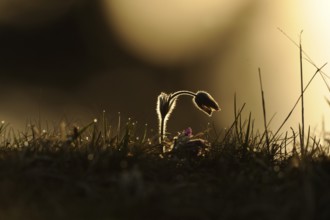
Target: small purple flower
x=188, y=132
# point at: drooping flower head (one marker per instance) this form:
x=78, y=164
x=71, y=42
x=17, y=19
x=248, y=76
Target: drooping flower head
x=206, y=103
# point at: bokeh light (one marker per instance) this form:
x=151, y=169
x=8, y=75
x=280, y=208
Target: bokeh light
x=81, y=53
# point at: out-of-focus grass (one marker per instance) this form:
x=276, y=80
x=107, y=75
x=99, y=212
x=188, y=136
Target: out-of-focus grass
x=97, y=172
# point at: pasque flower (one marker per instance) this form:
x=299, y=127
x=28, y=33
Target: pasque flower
x=205, y=103
x=166, y=104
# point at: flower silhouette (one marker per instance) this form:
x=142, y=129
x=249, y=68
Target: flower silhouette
x=205, y=103
x=166, y=104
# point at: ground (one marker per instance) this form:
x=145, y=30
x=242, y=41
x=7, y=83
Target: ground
x=123, y=178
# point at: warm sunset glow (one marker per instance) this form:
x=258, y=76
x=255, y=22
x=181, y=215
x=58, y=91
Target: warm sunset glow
x=216, y=45
x=170, y=31
x=164, y=109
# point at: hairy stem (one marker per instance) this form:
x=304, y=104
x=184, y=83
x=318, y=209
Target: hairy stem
x=182, y=92
x=162, y=130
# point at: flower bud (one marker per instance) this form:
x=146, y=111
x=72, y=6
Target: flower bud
x=205, y=102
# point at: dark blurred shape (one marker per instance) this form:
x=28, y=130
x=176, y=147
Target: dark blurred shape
x=51, y=55
x=23, y=14
x=68, y=59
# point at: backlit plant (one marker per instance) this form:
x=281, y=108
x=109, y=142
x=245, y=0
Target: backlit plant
x=166, y=104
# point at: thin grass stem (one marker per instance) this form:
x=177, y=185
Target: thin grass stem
x=295, y=105
x=302, y=97
x=264, y=109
